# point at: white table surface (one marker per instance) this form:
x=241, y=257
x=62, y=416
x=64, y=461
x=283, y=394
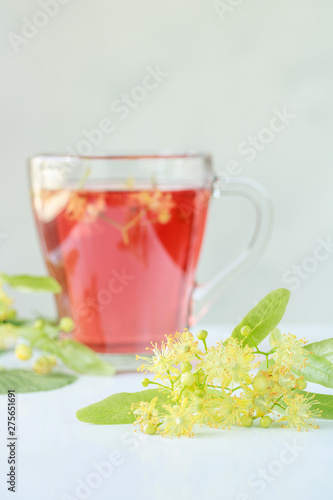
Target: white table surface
x=56, y=452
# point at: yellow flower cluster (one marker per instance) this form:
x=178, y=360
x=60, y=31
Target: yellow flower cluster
x=221, y=386
x=6, y=310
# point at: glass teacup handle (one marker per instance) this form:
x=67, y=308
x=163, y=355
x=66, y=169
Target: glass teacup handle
x=206, y=294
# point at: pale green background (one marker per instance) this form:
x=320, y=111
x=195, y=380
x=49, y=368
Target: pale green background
x=226, y=77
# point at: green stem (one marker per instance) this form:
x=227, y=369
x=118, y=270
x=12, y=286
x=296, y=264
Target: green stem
x=276, y=402
x=84, y=178
x=161, y=385
x=168, y=372
x=181, y=392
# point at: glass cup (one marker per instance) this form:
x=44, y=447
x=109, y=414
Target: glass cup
x=122, y=235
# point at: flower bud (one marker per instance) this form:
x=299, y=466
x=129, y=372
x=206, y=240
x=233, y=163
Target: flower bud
x=52, y=360
x=188, y=379
x=149, y=429
x=66, y=324
x=265, y=421
x=246, y=421
x=202, y=334
x=145, y=382
x=260, y=384
x=185, y=367
x=23, y=352
x=42, y=366
x=245, y=330
x=39, y=323
x=200, y=393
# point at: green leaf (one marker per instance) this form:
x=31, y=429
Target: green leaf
x=264, y=317
x=82, y=359
x=325, y=403
x=76, y=356
x=29, y=284
x=28, y=381
x=116, y=409
x=324, y=348
x=318, y=370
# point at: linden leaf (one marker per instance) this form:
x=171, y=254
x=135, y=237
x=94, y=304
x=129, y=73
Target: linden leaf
x=29, y=284
x=76, y=356
x=264, y=317
x=82, y=359
x=116, y=409
x=324, y=348
x=28, y=381
x=318, y=370
x=325, y=403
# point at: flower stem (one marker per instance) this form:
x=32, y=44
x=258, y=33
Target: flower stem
x=161, y=385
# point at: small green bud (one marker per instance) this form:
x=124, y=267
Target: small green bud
x=246, y=421
x=39, y=323
x=265, y=421
x=42, y=366
x=200, y=393
x=23, y=352
x=185, y=367
x=202, y=334
x=188, y=379
x=66, y=324
x=245, y=330
x=149, y=429
x=260, y=384
x=145, y=382
x=52, y=360
x=301, y=383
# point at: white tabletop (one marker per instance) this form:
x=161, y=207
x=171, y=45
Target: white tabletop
x=60, y=458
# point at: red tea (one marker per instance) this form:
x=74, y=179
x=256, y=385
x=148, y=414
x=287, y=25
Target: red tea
x=125, y=259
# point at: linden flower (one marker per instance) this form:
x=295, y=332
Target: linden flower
x=147, y=413
x=76, y=207
x=157, y=202
x=184, y=345
x=79, y=208
x=290, y=353
x=238, y=360
x=94, y=210
x=229, y=363
x=160, y=363
x=214, y=366
x=258, y=405
x=299, y=412
x=8, y=336
x=201, y=408
x=180, y=420
x=6, y=312
x=226, y=410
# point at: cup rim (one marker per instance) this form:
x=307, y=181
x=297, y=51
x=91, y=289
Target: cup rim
x=152, y=155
